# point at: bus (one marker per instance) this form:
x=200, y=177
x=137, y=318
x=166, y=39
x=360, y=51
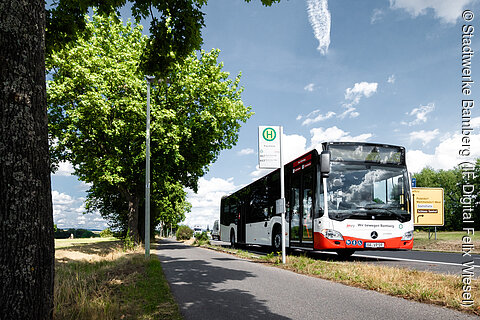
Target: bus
x=349, y=197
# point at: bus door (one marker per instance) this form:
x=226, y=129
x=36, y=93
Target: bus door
x=240, y=218
x=301, y=207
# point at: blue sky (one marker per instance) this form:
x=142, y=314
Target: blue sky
x=376, y=71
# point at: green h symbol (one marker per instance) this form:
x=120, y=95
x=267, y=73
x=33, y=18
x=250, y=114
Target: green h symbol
x=269, y=134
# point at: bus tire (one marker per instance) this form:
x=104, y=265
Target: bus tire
x=232, y=239
x=277, y=238
x=345, y=253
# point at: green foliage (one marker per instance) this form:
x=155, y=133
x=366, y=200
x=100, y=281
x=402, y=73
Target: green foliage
x=452, y=182
x=96, y=106
x=184, y=233
x=128, y=242
x=77, y=233
x=201, y=239
x=175, y=27
x=107, y=233
x=202, y=236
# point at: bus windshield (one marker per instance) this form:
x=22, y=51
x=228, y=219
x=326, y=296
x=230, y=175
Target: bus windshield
x=364, y=191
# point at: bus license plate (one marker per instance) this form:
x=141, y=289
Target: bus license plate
x=374, y=245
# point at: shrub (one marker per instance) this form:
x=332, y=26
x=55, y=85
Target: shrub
x=202, y=236
x=107, y=233
x=184, y=233
x=201, y=239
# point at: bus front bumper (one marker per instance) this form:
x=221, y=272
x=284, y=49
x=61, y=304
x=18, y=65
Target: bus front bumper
x=322, y=243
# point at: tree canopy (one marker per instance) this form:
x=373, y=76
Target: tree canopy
x=97, y=102
x=175, y=26
x=452, y=182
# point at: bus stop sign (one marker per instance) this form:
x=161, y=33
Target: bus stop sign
x=269, y=147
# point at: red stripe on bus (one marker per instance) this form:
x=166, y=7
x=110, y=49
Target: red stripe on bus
x=299, y=162
x=322, y=243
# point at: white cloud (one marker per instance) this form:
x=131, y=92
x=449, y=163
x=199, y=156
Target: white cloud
x=446, y=10
x=475, y=122
x=350, y=111
x=445, y=157
x=424, y=136
x=309, y=87
x=359, y=90
x=320, y=20
x=391, y=79
x=246, y=151
x=377, y=15
x=320, y=135
x=294, y=145
x=354, y=95
x=420, y=114
x=65, y=168
x=316, y=116
x=68, y=212
x=206, y=202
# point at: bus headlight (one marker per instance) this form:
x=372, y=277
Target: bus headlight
x=332, y=234
x=407, y=236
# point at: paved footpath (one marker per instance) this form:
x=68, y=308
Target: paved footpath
x=212, y=285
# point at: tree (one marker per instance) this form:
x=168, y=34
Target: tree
x=97, y=118
x=26, y=233
x=25, y=200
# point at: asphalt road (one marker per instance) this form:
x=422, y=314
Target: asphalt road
x=213, y=285
x=440, y=262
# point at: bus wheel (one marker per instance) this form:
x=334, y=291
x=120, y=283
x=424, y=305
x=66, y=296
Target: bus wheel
x=345, y=253
x=277, y=240
x=232, y=239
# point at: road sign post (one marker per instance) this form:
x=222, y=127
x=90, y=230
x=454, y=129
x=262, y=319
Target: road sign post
x=270, y=157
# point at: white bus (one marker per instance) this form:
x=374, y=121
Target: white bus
x=350, y=197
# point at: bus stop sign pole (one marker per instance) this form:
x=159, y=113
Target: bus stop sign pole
x=270, y=157
x=282, y=196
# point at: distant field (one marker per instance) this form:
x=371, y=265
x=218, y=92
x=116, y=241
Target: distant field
x=65, y=243
x=448, y=241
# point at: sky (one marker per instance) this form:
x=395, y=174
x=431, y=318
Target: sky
x=374, y=71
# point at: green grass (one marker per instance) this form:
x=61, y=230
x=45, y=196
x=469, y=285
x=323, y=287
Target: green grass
x=444, y=235
x=118, y=285
x=447, y=241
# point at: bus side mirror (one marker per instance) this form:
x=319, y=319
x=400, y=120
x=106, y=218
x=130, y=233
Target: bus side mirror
x=325, y=164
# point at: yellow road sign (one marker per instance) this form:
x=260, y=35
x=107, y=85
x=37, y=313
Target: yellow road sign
x=428, y=207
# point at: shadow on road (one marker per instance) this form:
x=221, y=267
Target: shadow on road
x=205, y=288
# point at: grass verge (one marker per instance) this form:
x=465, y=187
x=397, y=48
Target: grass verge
x=450, y=241
x=101, y=281
x=421, y=286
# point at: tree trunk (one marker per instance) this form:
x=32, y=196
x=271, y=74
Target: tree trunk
x=26, y=221
x=133, y=219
